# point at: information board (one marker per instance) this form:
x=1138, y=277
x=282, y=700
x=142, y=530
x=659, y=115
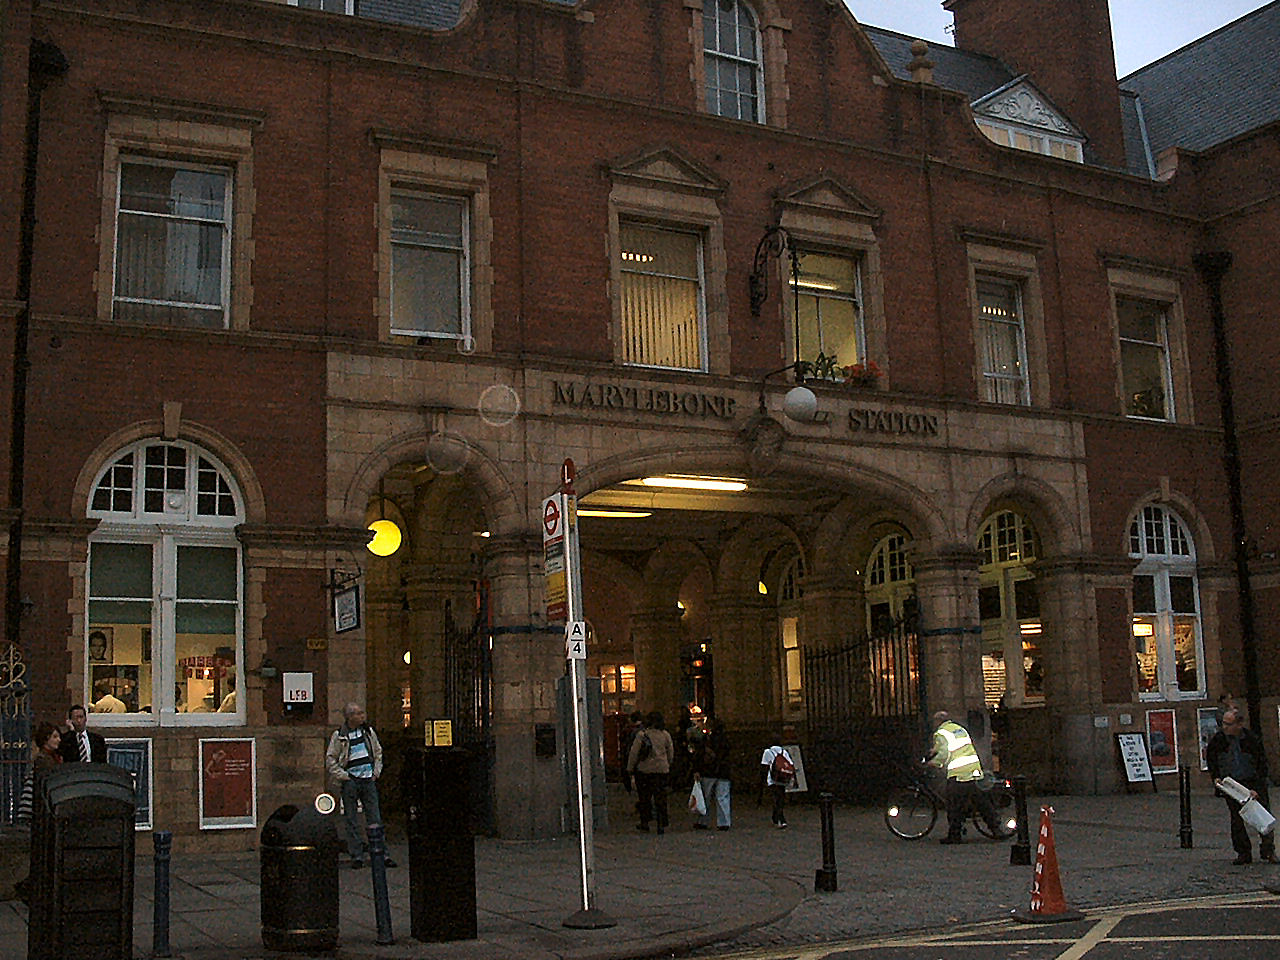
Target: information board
x=1134, y=757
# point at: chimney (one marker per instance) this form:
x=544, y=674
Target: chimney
x=1064, y=46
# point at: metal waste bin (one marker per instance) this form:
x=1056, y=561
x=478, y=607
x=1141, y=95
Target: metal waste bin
x=82, y=864
x=436, y=786
x=299, y=890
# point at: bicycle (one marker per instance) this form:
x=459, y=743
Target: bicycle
x=911, y=810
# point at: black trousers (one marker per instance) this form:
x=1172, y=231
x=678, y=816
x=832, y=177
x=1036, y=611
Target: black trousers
x=1240, y=838
x=779, y=793
x=961, y=798
x=651, y=798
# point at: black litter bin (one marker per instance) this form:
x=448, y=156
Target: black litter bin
x=82, y=864
x=436, y=786
x=299, y=891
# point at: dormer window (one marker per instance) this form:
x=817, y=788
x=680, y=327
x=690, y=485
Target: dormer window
x=328, y=6
x=1018, y=116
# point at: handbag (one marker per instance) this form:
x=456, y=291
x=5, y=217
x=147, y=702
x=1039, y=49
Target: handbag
x=697, y=802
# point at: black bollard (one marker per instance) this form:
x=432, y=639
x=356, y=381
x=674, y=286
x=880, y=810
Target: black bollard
x=378, y=870
x=1020, y=849
x=163, y=840
x=824, y=880
x=1184, y=806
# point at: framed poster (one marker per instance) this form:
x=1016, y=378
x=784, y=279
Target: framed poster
x=1208, y=719
x=346, y=609
x=101, y=643
x=135, y=756
x=1162, y=736
x=1134, y=757
x=228, y=784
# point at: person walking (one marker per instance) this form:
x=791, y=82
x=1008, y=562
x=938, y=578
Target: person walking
x=955, y=754
x=1235, y=751
x=712, y=769
x=779, y=771
x=354, y=760
x=80, y=744
x=649, y=763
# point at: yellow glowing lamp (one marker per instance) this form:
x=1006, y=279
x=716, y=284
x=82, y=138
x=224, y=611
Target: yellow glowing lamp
x=386, y=538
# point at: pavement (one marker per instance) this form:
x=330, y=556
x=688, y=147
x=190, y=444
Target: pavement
x=745, y=888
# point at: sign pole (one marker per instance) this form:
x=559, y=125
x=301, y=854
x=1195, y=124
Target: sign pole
x=589, y=917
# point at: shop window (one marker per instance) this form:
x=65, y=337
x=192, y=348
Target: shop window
x=1168, y=645
x=1009, y=610
x=732, y=60
x=165, y=589
x=1003, y=341
x=791, y=666
x=1144, y=358
x=618, y=688
x=430, y=266
x=662, y=297
x=173, y=244
x=828, y=296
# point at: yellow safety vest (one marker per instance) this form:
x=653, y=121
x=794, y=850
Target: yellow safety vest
x=954, y=752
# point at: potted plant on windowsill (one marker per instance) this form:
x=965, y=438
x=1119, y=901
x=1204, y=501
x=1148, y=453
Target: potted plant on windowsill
x=863, y=375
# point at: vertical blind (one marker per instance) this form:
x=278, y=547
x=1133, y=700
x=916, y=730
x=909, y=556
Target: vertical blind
x=662, y=298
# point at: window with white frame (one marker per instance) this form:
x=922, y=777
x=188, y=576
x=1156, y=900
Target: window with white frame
x=790, y=593
x=732, y=60
x=889, y=582
x=165, y=588
x=1003, y=341
x=828, y=297
x=430, y=266
x=1009, y=609
x=1144, y=358
x=893, y=668
x=173, y=243
x=1031, y=140
x=1167, y=642
x=663, y=313
x=329, y=6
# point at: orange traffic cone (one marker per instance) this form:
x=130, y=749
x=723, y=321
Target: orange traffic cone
x=1047, y=903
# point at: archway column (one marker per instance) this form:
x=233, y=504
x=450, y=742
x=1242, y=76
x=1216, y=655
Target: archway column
x=747, y=661
x=834, y=612
x=527, y=659
x=950, y=631
x=655, y=635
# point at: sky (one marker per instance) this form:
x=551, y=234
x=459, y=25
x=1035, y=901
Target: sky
x=1143, y=30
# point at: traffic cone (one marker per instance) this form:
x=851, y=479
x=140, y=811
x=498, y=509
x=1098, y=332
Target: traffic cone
x=1047, y=903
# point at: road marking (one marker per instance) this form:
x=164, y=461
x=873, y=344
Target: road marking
x=1097, y=933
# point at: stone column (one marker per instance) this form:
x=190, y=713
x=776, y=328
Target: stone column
x=834, y=612
x=528, y=657
x=655, y=634
x=748, y=680
x=950, y=631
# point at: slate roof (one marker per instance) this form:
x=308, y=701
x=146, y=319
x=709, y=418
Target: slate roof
x=433, y=14
x=973, y=74
x=1215, y=88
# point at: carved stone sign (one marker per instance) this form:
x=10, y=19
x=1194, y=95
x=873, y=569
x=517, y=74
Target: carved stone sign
x=592, y=395
x=893, y=422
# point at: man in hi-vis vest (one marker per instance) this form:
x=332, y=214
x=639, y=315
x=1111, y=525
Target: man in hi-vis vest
x=955, y=755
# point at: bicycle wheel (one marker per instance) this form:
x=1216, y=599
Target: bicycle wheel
x=910, y=813
x=981, y=825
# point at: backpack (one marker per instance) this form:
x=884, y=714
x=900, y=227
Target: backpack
x=646, y=748
x=782, y=769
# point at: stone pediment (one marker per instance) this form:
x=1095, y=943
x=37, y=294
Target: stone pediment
x=667, y=168
x=1021, y=103
x=827, y=197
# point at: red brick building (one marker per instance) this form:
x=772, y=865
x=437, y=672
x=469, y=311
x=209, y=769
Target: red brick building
x=298, y=267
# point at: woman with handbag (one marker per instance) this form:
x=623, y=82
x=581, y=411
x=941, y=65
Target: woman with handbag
x=649, y=762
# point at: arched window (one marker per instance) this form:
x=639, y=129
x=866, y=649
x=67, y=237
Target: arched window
x=890, y=580
x=790, y=593
x=1009, y=608
x=1167, y=641
x=165, y=588
x=732, y=60
x=892, y=655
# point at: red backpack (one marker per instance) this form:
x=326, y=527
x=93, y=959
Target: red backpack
x=782, y=770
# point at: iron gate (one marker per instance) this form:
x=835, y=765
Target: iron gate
x=15, y=732
x=468, y=689
x=864, y=710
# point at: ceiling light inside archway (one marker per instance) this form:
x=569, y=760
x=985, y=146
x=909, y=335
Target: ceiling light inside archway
x=687, y=482
x=386, y=538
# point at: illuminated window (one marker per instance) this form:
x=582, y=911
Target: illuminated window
x=828, y=296
x=662, y=298
x=1003, y=345
x=1009, y=608
x=163, y=638
x=1144, y=358
x=1167, y=641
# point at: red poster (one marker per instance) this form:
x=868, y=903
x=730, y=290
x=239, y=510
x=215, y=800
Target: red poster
x=1162, y=736
x=228, y=784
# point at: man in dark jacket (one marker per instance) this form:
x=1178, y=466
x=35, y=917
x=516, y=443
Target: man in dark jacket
x=80, y=743
x=1236, y=752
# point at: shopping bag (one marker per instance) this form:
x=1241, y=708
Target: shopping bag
x=697, y=802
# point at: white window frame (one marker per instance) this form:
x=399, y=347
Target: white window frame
x=1039, y=140
x=348, y=6
x=890, y=588
x=820, y=295
x=224, y=267
x=1004, y=570
x=178, y=525
x=464, y=335
x=700, y=279
x=714, y=54
x=1162, y=344
x=991, y=378
x=1161, y=566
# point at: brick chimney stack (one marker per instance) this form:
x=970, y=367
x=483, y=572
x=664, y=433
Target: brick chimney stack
x=1064, y=46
